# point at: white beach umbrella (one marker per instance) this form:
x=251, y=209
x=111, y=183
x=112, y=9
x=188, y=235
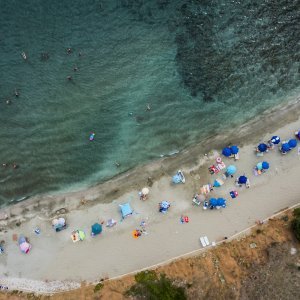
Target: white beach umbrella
x=55, y=222
x=145, y=191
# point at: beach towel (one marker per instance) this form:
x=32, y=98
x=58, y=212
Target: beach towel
x=205, y=189
x=221, y=165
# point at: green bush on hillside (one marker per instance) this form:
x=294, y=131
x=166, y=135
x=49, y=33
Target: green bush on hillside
x=152, y=287
x=296, y=223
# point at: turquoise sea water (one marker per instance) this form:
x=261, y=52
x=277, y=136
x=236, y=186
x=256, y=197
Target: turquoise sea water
x=203, y=66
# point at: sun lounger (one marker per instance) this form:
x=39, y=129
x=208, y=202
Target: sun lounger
x=204, y=241
x=196, y=201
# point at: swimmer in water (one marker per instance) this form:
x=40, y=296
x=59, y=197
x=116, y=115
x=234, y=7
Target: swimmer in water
x=69, y=50
x=75, y=68
x=117, y=164
x=69, y=78
x=8, y=102
x=148, y=107
x=17, y=94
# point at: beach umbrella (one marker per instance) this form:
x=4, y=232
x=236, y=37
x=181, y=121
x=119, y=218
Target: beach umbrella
x=242, y=179
x=145, y=191
x=285, y=147
x=96, y=228
x=81, y=235
x=55, y=222
x=61, y=221
x=275, y=139
x=165, y=204
x=213, y=202
x=234, y=149
x=297, y=134
x=259, y=166
x=262, y=147
x=231, y=169
x=265, y=165
x=221, y=202
x=226, y=152
x=25, y=247
x=292, y=143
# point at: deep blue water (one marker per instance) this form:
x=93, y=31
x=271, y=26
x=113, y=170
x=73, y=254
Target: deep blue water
x=203, y=66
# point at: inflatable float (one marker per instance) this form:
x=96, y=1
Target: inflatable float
x=92, y=136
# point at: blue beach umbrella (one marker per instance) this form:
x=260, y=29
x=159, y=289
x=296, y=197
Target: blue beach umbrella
x=292, y=143
x=231, y=169
x=226, y=152
x=285, y=147
x=242, y=179
x=213, y=201
x=297, y=134
x=234, y=149
x=265, y=165
x=96, y=228
x=259, y=166
x=221, y=202
x=275, y=139
x=262, y=147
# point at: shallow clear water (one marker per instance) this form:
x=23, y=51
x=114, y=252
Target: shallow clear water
x=204, y=66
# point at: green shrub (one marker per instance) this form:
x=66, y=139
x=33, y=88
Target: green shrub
x=98, y=287
x=296, y=227
x=296, y=212
x=152, y=287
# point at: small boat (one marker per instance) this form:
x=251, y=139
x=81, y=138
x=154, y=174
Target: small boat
x=24, y=55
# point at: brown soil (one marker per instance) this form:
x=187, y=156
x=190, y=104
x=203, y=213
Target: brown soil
x=233, y=270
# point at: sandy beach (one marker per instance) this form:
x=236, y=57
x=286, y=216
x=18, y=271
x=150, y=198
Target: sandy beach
x=115, y=252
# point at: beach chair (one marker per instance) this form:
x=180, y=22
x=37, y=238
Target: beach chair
x=236, y=156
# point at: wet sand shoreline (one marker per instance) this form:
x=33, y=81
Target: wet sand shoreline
x=146, y=174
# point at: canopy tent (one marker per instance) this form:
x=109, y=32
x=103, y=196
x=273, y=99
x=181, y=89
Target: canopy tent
x=231, y=170
x=226, y=151
x=262, y=147
x=218, y=183
x=242, y=179
x=234, y=150
x=285, y=147
x=96, y=229
x=126, y=210
x=178, y=177
x=275, y=139
x=292, y=143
